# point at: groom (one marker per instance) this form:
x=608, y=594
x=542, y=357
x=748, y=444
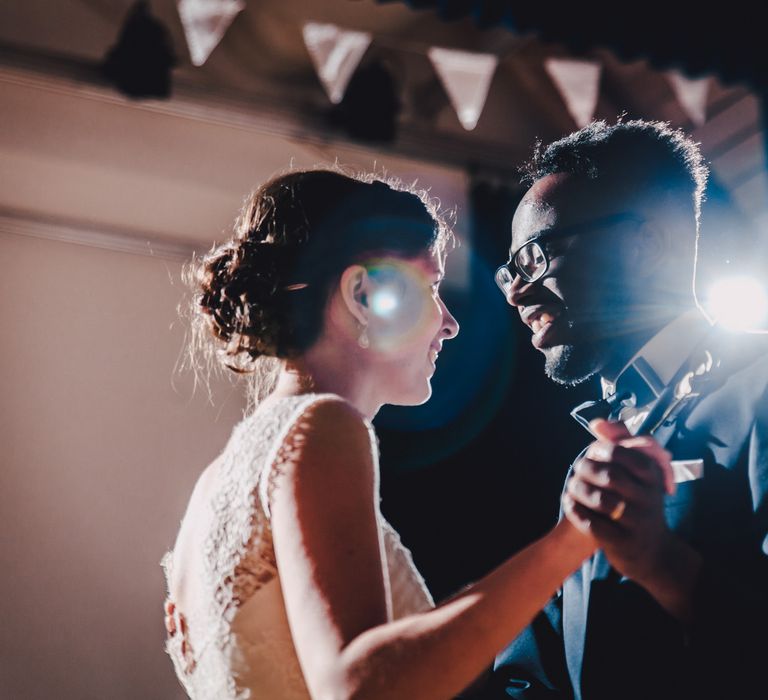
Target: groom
x=675, y=603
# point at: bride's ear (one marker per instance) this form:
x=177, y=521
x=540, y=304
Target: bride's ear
x=354, y=288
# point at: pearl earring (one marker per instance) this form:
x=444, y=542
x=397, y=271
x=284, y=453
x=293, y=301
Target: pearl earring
x=362, y=339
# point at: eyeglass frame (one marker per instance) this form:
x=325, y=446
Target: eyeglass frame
x=555, y=234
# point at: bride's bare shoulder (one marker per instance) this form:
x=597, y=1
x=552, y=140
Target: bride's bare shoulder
x=333, y=419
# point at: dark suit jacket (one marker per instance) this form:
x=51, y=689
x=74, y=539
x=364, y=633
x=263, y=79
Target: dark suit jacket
x=618, y=642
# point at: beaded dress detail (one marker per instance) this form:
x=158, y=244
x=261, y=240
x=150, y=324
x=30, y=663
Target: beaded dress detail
x=236, y=643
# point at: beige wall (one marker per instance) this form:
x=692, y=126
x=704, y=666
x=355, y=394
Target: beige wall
x=99, y=454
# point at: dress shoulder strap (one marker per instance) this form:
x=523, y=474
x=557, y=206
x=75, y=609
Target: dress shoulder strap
x=290, y=411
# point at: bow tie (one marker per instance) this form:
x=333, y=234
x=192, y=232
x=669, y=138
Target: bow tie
x=638, y=388
x=638, y=385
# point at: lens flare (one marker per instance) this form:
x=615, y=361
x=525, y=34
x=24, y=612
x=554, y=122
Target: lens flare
x=384, y=302
x=400, y=299
x=739, y=303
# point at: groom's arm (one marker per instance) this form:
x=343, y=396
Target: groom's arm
x=722, y=600
x=729, y=625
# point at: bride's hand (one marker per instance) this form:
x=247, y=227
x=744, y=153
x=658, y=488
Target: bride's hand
x=176, y=623
x=170, y=619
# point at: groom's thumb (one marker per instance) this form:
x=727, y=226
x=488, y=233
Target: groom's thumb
x=609, y=431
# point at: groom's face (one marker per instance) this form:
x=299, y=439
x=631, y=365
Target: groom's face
x=574, y=309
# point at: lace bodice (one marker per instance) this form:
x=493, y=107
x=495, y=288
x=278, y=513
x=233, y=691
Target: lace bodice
x=236, y=643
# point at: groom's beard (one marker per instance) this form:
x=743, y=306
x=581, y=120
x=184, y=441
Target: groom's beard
x=571, y=364
x=592, y=337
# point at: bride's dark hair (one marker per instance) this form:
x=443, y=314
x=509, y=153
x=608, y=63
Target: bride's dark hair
x=263, y=292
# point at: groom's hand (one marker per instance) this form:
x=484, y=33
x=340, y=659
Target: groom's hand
x=616, y=492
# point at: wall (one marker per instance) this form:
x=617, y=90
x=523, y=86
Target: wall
x=100, y=443
x=99, y=454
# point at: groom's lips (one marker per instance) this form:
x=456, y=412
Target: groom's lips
x=543, y=322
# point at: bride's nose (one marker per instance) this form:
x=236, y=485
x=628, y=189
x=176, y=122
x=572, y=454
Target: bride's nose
x=450, y=324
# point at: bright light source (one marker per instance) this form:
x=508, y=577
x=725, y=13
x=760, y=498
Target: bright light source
x=739, y=303
x=384, y=302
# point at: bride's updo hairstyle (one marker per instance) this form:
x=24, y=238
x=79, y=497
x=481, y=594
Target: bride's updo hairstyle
x=263, y=292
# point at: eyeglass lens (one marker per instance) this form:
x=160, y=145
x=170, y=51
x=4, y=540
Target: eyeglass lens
x=531, y=261
x=504, y=278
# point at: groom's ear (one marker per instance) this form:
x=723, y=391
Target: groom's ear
x=651, y=249
x=354, y=288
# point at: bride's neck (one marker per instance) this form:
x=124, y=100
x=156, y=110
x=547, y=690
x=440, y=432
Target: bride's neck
x=316, y=372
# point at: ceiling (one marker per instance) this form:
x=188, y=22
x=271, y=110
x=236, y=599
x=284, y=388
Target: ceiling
x=727, y=40
x=261, y=74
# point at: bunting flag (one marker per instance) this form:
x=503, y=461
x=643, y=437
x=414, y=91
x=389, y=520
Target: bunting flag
x=204, y=23
x=335, y=53
x=691, y=94
x=466, y=78
x=577, y=82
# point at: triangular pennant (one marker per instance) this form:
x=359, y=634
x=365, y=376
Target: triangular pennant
x=577, y=82
x=335, y=53
x=466, y=78
x=691, y=94
x=204, y=23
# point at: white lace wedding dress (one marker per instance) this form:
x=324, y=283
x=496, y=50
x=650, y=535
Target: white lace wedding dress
x=236, y=642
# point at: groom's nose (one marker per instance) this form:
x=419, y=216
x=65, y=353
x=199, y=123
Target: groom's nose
x=519, y=291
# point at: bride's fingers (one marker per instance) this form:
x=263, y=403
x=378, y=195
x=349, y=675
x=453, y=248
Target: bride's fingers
x=574, y=515
x=170, y=621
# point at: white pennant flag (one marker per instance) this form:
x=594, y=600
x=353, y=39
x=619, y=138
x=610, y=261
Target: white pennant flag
x=466, y=78
x=578, y=82
x=335, y=53
x=205, y=22
x=691, y=94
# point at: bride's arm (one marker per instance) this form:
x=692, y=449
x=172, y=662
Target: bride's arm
x=329, y=554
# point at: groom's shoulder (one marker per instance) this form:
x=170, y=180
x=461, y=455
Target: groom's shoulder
x=745, y=357
x=737, y=389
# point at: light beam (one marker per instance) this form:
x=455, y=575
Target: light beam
x=739, y=303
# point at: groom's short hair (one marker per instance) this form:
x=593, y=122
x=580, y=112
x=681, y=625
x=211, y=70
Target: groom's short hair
x=650, y=154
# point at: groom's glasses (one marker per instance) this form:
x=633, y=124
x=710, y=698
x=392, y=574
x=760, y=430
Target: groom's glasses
x=531, y=260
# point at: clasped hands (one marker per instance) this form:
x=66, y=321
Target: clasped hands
x=615, y=494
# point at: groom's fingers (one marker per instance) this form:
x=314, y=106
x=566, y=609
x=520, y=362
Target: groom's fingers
x=661, y=458
x=604, y=501
x=606, y=532
x=641, y=457
x=589, y=522
x=592, y=478
x=616, y=433
x=609, y=430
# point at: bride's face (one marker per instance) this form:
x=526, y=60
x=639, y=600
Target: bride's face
x=409, y=323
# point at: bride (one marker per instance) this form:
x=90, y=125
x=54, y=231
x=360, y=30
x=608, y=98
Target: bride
x=285, y=581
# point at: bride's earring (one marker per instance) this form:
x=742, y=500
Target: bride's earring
x=362, y=339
